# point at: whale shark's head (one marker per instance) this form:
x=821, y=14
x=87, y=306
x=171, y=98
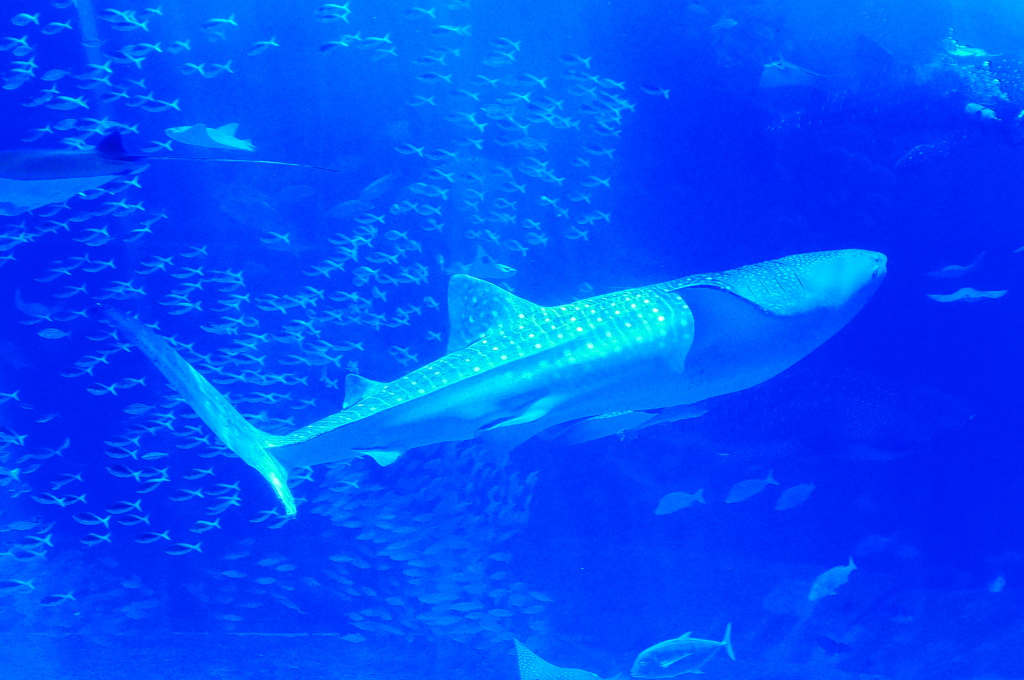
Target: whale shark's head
x=825, y=281
x=755, y=321
x=834, y=279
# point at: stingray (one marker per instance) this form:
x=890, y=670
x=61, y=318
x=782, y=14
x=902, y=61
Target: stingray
x=212, y=138
x=968, y=295
x=785, y=74
x=532, y=667
x=952, y=271
x=32, y=178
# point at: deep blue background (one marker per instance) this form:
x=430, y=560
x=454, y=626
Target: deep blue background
x=716, y=176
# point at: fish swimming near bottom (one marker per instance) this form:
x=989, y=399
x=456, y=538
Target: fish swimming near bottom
x=682, y=655
x=832, y=647
x=678, y=500
x=32, y=178
x=830, y=581
x=748, y=488
x=794, y=496
x=515, y=368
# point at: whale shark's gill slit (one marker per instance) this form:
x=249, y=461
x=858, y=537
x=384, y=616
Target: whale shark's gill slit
x=800, y=280
x=778, y=282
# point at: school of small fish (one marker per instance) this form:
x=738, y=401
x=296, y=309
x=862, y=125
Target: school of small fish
x=475, y=188
x=423, y=553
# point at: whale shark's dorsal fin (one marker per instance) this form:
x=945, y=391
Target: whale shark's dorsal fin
x=358, y=388
x=476, y=307
x=229, y=129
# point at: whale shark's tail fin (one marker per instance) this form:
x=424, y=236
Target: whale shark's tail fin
x=248, y=442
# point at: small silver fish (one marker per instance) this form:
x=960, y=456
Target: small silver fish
x=261, y=46
x=53, y=333
x=794, y=496
x=684, y=654
x=24, y=19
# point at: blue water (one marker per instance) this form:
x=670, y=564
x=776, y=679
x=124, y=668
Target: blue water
x=587, y=147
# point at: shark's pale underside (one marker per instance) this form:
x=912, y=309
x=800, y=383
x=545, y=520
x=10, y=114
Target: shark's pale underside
x=514, y=368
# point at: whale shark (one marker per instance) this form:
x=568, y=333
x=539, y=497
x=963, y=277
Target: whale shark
x=32, y=178
x=514, y=368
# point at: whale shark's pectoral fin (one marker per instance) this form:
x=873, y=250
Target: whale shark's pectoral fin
x=531, y=414
x=674, y=413
x=505, y=434
x=476, y=307
x=598, y=427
